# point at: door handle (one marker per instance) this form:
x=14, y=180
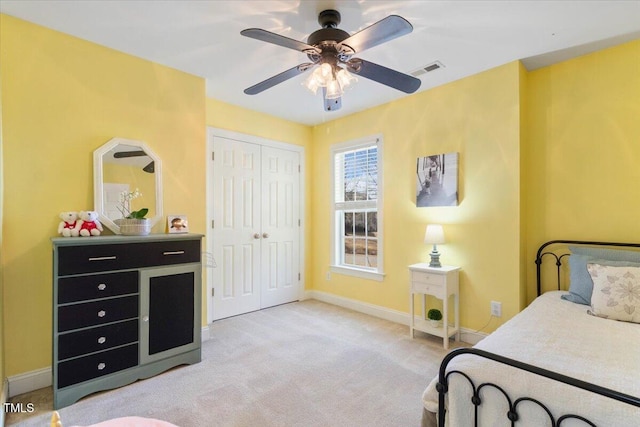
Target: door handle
x=256, y=236
x=265, y=235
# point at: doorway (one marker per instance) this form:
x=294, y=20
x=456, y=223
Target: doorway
x=255, y=228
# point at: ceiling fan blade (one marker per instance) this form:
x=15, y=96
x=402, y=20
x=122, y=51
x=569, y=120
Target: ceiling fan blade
x=123, y=154
x=382, y=31
x=150, y=168
x=277, y=39
x=278, y=78
x=384, y=75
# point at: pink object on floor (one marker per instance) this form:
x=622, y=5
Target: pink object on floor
x=132, y=422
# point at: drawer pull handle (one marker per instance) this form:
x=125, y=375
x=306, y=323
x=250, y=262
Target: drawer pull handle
x=101, y=366
x=102, y=340
x=102, y=258
x=173, y=253
x=102, y=287
x=102, y=313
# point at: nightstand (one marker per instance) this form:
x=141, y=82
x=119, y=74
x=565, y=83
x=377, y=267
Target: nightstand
x=442, y=283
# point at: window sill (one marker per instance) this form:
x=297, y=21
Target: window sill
x=356, y=272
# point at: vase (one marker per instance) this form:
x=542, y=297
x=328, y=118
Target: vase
x=435, y=323
x=134, y=226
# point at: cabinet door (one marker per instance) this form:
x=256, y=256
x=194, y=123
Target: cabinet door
x=170, y=311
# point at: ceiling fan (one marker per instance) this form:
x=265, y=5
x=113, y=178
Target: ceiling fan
x=150, y=168
x=331, y=51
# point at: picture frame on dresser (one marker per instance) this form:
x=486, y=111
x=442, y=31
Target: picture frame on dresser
x=177, y=224
x=124, y=308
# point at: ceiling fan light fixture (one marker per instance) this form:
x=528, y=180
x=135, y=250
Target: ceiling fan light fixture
x=325, y=71
x=335, y=79
x=313, y=82
x=333, y=90
x=345, y=78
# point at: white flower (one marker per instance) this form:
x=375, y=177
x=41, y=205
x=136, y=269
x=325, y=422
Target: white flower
x=125, y=201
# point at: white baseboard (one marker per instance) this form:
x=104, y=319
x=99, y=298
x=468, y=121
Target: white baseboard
x=29, y=381
x=468, y=336
x=205, y=335
x=362, y=307
x=40, y=378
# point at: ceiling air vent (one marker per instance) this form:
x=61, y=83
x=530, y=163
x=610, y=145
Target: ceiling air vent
x=428, y=68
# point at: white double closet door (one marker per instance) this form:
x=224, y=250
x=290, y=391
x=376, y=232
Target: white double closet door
x=255, y=235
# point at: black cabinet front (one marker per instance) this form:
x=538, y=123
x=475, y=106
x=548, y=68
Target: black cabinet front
x=171, y=311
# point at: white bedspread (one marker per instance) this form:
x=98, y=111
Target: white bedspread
x=560, y=336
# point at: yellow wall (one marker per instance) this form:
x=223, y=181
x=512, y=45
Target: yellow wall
x=237, y=119
x=583, y=149
x=62, y=98
x=477, y=117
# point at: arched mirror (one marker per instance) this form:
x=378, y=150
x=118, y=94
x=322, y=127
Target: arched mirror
x=127, y=176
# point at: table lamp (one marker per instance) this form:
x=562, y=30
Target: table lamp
x=434, y=235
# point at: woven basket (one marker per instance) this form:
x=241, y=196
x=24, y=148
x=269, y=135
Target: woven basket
x=134, y=227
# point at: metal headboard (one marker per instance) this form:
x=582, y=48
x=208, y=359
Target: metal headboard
x=558, y=259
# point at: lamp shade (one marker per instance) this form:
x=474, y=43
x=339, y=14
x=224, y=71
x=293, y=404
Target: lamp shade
x=434, y=234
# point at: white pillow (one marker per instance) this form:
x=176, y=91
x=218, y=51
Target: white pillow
x=616, y=292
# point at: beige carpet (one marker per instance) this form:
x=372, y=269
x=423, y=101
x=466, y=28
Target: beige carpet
x=299, y=364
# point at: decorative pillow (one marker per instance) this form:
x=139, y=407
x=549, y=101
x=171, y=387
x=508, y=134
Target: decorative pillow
x=580, y=282
x=616, y=292
x=608, y=254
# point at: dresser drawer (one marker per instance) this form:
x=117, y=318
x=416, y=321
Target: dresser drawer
x=96, y=339
x=169, y=253
x=81, y=288
x=423, y=288
x=428, y=278
x=94, y=258
x=96, y=365
x=81, y=315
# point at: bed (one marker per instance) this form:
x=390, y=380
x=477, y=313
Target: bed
x=571, y=358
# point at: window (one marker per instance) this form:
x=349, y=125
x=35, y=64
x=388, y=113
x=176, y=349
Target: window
x=357, y=223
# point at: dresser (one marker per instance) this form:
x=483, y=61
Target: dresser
x=442, y=283
x=124, y=308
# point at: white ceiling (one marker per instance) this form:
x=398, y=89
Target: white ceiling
x=203, y=38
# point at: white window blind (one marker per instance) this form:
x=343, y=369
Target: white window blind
x=357, y=176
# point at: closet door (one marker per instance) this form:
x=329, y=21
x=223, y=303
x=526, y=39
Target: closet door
x=280, y=226
x=256, y=229
x=236, y=228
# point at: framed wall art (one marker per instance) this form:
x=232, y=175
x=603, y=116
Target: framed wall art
x=437, y=180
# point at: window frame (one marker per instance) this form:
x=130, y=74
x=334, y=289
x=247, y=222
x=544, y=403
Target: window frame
x=338, y=208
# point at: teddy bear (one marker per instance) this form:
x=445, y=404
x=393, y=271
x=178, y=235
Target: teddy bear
x=67, y=227
x=88, y=225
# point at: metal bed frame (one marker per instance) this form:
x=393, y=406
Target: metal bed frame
x=512, y=414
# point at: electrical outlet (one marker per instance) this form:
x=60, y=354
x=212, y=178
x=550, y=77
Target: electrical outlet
x=328, y=275
x=496, y=308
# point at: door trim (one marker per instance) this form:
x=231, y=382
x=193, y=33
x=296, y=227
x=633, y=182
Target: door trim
x=251, y=139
